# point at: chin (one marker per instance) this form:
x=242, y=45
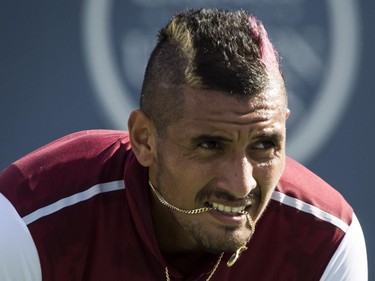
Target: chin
x=230, y=241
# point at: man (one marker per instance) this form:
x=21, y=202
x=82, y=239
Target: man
x=200, y=188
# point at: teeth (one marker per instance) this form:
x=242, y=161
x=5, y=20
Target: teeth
x=228, y=209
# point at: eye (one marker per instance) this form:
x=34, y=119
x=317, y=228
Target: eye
x=209, y=145
x=207, y=142
x=264, y=150
x=264, y=145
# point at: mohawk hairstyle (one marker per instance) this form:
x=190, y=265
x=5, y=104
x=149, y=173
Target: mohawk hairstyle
x=207, y=49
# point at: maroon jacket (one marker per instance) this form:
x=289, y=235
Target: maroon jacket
x=86, y=201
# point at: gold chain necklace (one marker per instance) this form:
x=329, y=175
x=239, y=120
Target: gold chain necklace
x=232, y=260
x=208, y=278
x=165, y=203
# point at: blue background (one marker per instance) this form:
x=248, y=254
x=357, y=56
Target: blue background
x=46, y=90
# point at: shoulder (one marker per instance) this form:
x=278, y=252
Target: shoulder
x=81, y=144
x=84, y=144
x=52, y=197
x=315, y=205
x=18, y=256
x=310, y=230
x=349, y=261
x=65, y=167
x=301, y=188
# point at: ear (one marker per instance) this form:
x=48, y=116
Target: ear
x=142, y=134
x=287, y=113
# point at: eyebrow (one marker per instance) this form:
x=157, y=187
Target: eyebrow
x=275, y=136
x=205, y=138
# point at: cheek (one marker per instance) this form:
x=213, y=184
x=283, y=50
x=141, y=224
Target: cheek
x=186, y=171
x=177, y=181
x=267, y=176
x=177, y=177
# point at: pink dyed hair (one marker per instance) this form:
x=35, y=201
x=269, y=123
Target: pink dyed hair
x=269, y=55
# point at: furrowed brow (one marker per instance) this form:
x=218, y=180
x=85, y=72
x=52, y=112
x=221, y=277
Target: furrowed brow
x=214, y=138
x=274, y=136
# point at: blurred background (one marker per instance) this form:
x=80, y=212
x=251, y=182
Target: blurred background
x=73, y=65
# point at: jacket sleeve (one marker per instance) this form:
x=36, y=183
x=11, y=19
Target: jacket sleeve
x=349, y=263
x=18, y=255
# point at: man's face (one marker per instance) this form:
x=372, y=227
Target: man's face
x=226, y=154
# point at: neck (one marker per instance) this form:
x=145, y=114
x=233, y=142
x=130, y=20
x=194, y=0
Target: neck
x=170, y=235
x=188, y=263
x=181, y=252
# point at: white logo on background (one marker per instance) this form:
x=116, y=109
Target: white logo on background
x=315, y=124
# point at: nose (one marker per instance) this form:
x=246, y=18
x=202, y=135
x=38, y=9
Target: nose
x=237, y=177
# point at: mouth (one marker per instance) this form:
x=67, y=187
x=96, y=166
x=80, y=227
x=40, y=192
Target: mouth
x=229, y=210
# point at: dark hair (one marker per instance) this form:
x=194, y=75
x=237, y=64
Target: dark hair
x=208, y=49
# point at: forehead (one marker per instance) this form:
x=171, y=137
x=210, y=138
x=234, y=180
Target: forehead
x=211, y=104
